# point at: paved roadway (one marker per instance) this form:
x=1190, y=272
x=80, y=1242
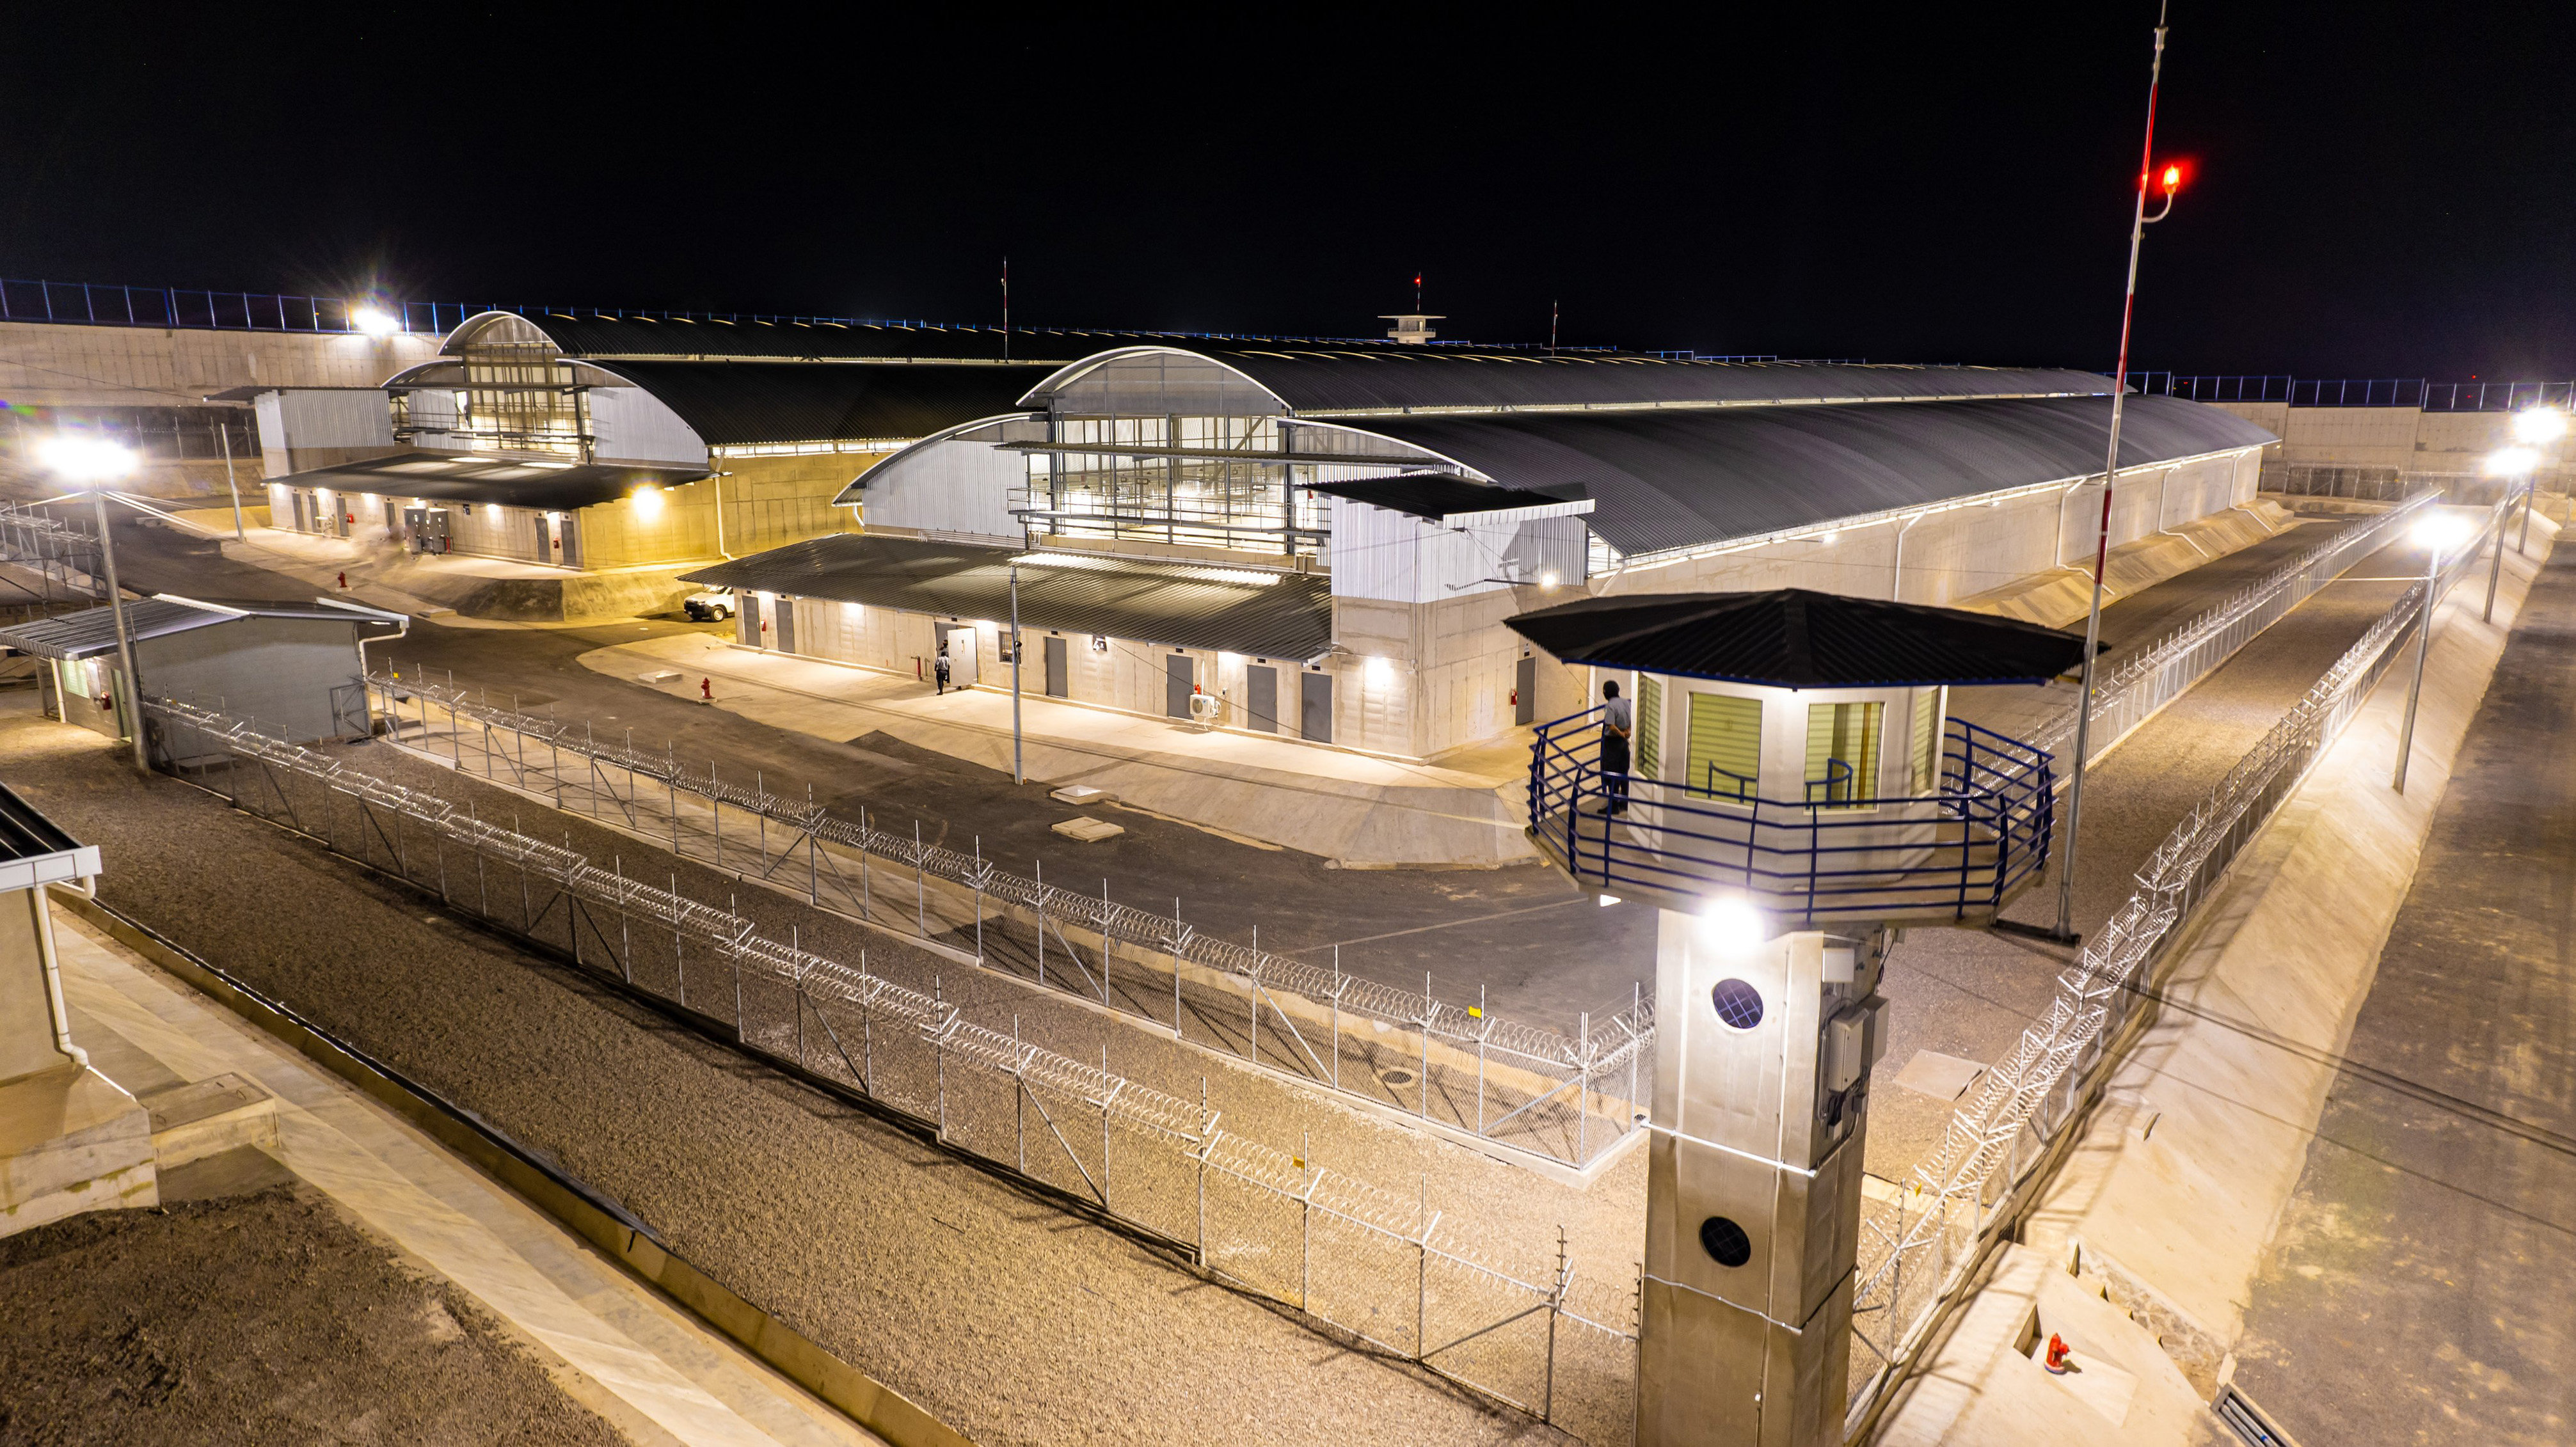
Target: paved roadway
x=1522, y=933
x=2417, y=1289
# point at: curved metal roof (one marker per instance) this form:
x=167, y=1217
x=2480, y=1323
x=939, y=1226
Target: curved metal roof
x=1678, y=479
x=1795, y=638
x=741, y=403
x=482, y=477
x=1345, y=380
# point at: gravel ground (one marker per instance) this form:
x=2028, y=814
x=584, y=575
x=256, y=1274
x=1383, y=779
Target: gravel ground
x=996, y=1311
x=255, y=1319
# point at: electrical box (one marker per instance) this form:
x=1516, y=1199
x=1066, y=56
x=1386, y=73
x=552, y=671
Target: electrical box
x=425, y=529
x=1855, y=1038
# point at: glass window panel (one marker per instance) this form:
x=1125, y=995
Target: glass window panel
x=1723, y=758
x=1926, y=742
x=1650, y=724
x=1842, y=751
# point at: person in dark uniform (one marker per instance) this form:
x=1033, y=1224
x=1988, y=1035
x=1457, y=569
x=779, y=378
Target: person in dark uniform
x=939, y=669
x=1618, y=724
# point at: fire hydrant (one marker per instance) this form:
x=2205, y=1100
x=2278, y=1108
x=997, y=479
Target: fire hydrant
x=706, y=690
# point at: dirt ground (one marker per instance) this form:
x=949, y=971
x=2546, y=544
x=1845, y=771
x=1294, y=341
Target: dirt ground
x=260, y=1318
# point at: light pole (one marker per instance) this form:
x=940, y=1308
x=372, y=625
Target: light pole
x=1018, y=776
x=2514, y=464
x=2138, y=223
x=2535, y=427
x=89, y=464
x=2438, y=533
x=224, y=429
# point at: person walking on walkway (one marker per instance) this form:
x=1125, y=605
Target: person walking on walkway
x=1618, y=721
x=939, y=669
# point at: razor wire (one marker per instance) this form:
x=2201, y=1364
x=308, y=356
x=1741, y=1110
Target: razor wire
x=1620, y=1041
x=1999, y=1143
x=1474, y=1321
x=2163, y=671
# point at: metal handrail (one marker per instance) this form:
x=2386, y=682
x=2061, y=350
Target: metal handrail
x=1992, y=799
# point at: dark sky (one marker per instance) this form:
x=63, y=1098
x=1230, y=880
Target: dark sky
x=2379, y=191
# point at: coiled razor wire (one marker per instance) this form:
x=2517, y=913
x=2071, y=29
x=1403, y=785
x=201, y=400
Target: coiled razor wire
x=1187, y=1129
x=2098, y=994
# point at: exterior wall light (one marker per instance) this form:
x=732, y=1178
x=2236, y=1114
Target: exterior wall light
x=374, y=321
x=1730, y=924
x=648, y=503
x=2539, y=424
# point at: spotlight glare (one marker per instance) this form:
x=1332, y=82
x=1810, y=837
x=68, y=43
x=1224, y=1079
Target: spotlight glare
x=2512, y=461
x=2539, y=424
x=1731, y=924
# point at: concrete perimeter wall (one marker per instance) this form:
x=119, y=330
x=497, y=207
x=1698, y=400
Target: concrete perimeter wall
x=43, y=364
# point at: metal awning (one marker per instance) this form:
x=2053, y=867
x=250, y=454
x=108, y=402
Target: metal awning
x=1280, y=615
x=1445, y=498
x=1796, y=638
x=480, y=477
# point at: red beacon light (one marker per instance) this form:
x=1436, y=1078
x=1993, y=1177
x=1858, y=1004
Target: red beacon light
x=2173, y=178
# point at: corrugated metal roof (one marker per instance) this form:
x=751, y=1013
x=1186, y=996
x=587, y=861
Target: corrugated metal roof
x=92, y=631
x=1343, y=380
x=740, y=403
x=1677, y=479
x=25, y=832
x=1288, y=617
x=1435, y=495
x=1794, y=638
x=451, y=477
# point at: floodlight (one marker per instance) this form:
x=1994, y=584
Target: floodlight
x=78, y=459
x=1730, y=924
x=2443, y=531
x=2539, y=424
x=648, y=503
x=2512, y=461
x=374, y=321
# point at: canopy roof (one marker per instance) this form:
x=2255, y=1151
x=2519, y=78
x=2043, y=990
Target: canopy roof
x=1438, y=495
x=475, y=477
x=1267, y=615
x=1794, y=638
x=1667, y=479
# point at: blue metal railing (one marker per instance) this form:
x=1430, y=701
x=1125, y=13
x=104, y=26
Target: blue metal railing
x=1984, y=827
x=2357, y=391
x=189, y=308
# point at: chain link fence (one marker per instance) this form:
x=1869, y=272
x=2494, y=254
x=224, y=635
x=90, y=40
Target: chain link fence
x=1567, y=1097
x=1370, y=1265
x=1922, y=1245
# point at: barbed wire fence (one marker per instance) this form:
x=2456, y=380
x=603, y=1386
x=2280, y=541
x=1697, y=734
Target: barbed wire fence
x=1922, y=1248
x=1566, y=1097
x=1372, y=1266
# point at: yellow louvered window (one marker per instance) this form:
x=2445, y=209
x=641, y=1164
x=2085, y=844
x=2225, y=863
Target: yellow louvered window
x=1724, y=760
x=1650, y=725
x=1842, y=752
x=1925, y=753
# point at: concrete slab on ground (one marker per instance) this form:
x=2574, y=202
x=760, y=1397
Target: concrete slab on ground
x=1356, y=809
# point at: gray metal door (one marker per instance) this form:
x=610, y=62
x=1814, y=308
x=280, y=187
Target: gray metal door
x=570, y=532
x=1525, y=691
x=746, y=624
x=1180, y=671
x=1315, y=707
x=545, y=539
x=1056, y=678
x=786, y=625
x=1261, y=697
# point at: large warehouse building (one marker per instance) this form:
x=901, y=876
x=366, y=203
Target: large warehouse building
x=1328, y=539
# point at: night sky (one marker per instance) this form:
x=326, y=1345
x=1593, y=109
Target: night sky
x=2378, y=191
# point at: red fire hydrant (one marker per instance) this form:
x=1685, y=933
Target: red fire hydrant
x=2058, y=1354
x=706, y=690
x=344, y=577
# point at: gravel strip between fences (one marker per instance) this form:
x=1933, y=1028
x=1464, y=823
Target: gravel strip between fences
x=999, y=1313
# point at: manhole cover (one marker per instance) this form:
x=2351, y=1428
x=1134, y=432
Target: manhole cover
x=1396, y=1077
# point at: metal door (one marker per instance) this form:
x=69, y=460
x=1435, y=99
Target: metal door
x=569, y=532
x=1315, y=707
x=1525, y=691
x=349, y=716
x=786, y=625
x=746, y=624
x=958, y=641
x=1056, y=679
x=1261, y=697
x=545, y=539
x=1180, y=672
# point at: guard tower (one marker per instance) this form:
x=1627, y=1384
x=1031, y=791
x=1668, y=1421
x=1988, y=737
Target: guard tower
x=1795, y=791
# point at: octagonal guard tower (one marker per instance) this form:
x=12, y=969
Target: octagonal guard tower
x=1795, y=791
